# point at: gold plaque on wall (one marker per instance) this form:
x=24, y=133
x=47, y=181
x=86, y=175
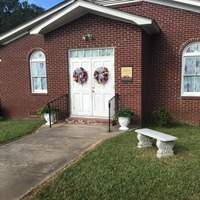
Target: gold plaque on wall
x=126, y=73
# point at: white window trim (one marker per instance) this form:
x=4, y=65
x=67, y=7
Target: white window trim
x=31, y=76
x=185, y=55
x=91, y=49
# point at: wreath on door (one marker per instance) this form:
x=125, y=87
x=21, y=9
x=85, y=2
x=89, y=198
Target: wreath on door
x=101, y=75
x=80, y=75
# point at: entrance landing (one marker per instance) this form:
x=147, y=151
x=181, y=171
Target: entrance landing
x=82, y=120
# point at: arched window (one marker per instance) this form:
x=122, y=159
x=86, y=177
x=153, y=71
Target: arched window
x=191, y=70
x=38, y=72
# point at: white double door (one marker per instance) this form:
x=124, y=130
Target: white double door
x=90, y=99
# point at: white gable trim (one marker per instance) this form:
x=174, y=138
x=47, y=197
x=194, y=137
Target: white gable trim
x=15, y=38
x=80, y=8
x=190, y=5
x=20, y=30
x=39, y=24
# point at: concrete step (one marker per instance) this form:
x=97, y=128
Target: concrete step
x=81, y=120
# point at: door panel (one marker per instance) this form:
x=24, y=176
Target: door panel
x=103, y=92
x=80, y=93
x=91, y=98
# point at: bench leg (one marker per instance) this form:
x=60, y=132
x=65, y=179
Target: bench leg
x=164, y=149
x=144, y=141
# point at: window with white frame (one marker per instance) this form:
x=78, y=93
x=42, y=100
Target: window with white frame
x=38, y=72
x=191, y=70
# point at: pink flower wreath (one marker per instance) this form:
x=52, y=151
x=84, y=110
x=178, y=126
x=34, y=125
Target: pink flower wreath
x=80, y=75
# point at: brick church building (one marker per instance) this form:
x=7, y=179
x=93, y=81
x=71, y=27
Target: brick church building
x=150, y=50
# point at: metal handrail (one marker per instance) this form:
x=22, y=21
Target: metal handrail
x=62, y=103
x=115, y=99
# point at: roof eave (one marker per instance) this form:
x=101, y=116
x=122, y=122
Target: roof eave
x=69, y=11
x=189, y=5
x=152, y=28
x=79, y=8
x=22, y=29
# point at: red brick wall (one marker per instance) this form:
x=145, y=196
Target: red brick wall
x=179, y=27
x=15, y=88
x=125, y=38
x=17, y=99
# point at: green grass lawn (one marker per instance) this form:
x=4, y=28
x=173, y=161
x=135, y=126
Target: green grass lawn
x=13, y=129
x=117, y=169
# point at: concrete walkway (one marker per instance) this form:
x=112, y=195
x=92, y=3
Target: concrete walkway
x=27, y=162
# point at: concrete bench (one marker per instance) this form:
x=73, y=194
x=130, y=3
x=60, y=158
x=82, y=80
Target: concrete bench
x=165, y=142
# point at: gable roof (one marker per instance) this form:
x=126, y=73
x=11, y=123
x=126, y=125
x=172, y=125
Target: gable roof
x=24, y=28
x=80, y=8
x=190, y=5
x=71, y=10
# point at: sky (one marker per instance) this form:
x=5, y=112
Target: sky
x=46, y=4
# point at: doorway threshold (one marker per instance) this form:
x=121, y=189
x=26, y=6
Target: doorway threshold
x=87, y=120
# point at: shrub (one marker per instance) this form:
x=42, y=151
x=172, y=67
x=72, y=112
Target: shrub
x=125, y=112
x=1, y=116
x=46, y=109
x=162, y=117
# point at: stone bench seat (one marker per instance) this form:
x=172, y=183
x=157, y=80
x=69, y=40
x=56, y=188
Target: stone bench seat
x=165, y=142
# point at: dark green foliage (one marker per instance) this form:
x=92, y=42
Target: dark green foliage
x=13, y=13
x=46, y=109
x=1, y=116
x=0, y=108
x=125, y=112
x=162, y=117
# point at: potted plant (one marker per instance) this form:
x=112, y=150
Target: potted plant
x=124, y=116
x=47, y=112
